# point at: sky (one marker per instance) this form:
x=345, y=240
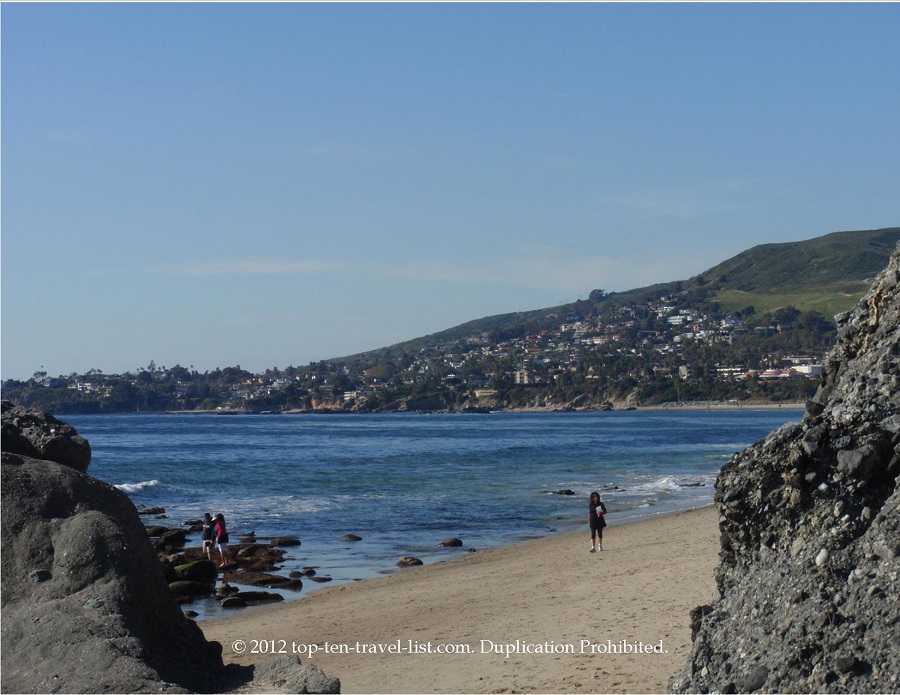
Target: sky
x=265, y=185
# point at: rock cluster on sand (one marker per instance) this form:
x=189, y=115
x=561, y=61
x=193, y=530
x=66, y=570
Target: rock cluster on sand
x=810, y=521
x=86, y=606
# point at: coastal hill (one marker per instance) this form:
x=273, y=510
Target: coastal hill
x=827, y=274
x=810, y=521
x=750, y=330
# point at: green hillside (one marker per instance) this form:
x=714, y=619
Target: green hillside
x=828, y=274
x=833, y=260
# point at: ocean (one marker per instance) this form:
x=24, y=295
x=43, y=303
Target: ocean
x=407, y=482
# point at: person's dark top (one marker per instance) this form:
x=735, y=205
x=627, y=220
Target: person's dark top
x=597, y=521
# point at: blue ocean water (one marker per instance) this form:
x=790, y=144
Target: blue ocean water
x=406, y=482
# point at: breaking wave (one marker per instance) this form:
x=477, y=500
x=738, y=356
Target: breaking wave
x=131, y=488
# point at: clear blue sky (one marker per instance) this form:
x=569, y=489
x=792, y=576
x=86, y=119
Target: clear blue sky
x=271, y=184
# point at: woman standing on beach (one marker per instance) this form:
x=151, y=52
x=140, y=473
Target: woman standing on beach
x=597, y=512
x=220, y=533
x=207, y=535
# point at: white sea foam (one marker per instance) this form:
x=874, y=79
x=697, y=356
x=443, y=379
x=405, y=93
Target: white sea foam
x=131, y=488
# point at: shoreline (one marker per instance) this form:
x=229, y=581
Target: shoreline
x=543, y=615
x=692, y=406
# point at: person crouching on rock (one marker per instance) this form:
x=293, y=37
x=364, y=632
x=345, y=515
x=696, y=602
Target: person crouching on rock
x=597, y=512
x=220, y=534
x=207, y=535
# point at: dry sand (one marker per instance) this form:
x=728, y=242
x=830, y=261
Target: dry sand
x=550, y=594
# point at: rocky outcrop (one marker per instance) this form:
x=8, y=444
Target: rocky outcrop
x=807, y=584
x=86, y=607
x=39, y=435
x=85, y=601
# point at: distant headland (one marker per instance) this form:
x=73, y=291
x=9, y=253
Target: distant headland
x=753, y=330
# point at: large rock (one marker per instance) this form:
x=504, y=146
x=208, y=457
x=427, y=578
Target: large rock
x=40, y=435
x=198, y=571
x=85, y=604
x=807, y=585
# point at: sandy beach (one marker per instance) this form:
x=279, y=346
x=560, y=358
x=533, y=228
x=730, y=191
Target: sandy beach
x=542, y=616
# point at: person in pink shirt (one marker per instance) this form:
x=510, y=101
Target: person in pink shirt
x=220, y=536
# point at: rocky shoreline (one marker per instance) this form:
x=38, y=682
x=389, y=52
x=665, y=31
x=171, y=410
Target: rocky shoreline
x=82, y=579
x=686, y=406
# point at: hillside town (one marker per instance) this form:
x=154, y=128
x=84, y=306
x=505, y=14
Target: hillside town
x=588, y=357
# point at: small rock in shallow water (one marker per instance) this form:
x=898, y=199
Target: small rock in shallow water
x=822, y=557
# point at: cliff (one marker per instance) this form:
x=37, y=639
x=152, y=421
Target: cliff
x=807, y=584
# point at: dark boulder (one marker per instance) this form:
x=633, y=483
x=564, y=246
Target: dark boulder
x=257, y=557
x=172, y=538
x=198, y=571
x=41, y=436
x=259, y=596
x=225, y=589
x=284, y=542
x=451, y=543
x=409, y=562
x=185, y=587
x=273, y=581
x=102, y=618
x=192, y=526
